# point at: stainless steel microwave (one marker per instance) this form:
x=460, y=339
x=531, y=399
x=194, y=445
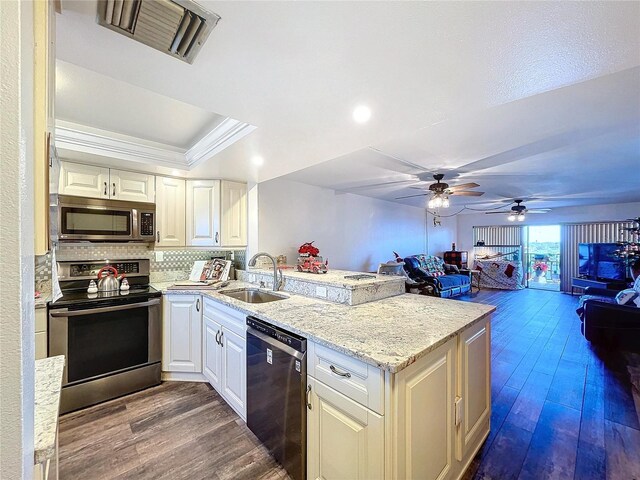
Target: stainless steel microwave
x=98, y=220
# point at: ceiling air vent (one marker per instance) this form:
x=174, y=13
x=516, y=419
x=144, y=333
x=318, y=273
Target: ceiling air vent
x=178, y=28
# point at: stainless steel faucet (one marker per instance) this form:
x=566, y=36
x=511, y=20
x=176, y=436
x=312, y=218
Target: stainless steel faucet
x=276, y=282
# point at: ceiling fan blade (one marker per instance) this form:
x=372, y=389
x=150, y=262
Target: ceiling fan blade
x=411, y=196
x=374, y=185
x=467, y=194
x=502, y=212
x=463, y=186
x=539, y=211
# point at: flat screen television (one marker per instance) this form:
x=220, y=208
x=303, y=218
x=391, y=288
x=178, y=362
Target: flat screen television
x=599, y=262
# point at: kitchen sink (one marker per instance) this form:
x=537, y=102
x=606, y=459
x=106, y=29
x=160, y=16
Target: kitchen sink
x=253, y=295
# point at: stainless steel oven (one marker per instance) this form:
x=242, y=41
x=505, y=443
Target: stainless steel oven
x=96, y=219
x=112, y=341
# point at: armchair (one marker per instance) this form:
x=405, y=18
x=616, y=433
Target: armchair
x=446, y=280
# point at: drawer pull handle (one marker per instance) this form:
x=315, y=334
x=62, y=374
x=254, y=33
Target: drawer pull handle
x=218, y=337
x=309, y=406
x=337, y=372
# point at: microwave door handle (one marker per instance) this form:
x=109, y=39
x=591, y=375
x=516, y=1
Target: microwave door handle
x=76, y=313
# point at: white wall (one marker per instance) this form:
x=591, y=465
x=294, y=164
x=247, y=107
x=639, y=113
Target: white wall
x=353, y=232
x=442, y=236
x=588, y=213
x=17, y=337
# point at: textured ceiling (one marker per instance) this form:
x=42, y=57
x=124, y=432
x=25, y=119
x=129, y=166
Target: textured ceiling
x=441, y=70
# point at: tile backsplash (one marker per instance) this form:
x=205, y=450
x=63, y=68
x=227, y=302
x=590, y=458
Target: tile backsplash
x=176, y=264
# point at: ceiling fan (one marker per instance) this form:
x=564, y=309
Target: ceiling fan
x=441, y=192
x=517, y=211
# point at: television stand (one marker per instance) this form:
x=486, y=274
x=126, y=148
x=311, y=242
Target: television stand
x=582, y=283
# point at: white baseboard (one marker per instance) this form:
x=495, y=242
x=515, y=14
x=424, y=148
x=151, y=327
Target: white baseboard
x=182, y=377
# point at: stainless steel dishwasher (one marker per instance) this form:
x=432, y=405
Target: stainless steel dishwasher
x=276, y=389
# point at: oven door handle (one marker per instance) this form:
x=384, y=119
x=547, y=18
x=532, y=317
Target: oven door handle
x=129, y=306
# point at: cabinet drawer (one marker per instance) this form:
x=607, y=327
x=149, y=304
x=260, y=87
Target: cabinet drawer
x=229, y=317
x=357, y=380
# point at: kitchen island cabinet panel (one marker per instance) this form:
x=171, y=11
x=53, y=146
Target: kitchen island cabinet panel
x=345, y=439
x=234, y=387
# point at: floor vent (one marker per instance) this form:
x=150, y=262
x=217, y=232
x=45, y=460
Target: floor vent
x=178, y=28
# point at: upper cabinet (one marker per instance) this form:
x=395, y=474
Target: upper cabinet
x=132, y=186
x=233, y=208
x=170, y=212
x=83, y=180
x=100, y=182
x=203, y=212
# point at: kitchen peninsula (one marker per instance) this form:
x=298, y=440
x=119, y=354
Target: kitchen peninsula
x=398, y=387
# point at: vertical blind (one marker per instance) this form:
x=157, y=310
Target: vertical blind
x=503, y=235
x=576, y=233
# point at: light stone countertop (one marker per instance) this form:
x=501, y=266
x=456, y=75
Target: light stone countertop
x=334, y=278
x=48, y=383
x=391, y=333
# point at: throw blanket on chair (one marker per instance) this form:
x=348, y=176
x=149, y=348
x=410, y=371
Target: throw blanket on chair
x=500, y=274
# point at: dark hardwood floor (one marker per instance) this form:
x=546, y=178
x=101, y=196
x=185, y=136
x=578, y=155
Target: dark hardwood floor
x=560, y=410
x=177, y=430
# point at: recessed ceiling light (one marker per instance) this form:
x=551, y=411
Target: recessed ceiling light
x=362, y=114
x=257, y=160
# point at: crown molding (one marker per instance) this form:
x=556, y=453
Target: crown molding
x=82, y=138
x=109, y=144
x=223, y=135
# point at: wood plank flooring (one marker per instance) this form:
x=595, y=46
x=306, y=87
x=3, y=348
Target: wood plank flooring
x=561, y=410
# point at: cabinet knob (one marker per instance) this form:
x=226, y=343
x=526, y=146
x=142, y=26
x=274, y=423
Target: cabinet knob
x=198, y=305
x=217, y=237
x=105, y=189
x=114, y=190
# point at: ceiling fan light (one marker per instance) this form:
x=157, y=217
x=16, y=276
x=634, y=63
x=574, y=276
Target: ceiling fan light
x=511, y=218
x=430, y=204
x=445, y=202
x=437, y=202
x=521, y=217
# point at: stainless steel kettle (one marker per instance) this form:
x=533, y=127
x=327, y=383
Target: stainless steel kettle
x=110, y=281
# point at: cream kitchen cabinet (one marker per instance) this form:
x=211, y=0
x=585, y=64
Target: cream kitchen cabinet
x=225, y=352
x=344, y=438
x=182, y=333
x=99, y=182
x=41, y=333
x=233, y=213
x=170, y=212
x=426, y=421
x=83, y=180
x=203, y=213
x=132, y=186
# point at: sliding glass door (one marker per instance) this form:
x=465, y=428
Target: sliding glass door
x=542, y=257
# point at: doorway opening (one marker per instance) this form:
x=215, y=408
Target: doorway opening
x=543, y=257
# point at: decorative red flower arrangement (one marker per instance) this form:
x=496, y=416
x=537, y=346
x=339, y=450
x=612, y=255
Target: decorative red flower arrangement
x=541, y=267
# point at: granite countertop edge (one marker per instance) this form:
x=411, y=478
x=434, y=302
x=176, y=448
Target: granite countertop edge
x=313, y=304
x=48, y=386
x=320, y=279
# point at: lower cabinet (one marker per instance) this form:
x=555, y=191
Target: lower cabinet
x=436, y=412
x=224, y=351
x=182, y=333
x=344, y=439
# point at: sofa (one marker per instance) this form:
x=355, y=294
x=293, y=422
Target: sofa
x=604, y=322
x=445, y=280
